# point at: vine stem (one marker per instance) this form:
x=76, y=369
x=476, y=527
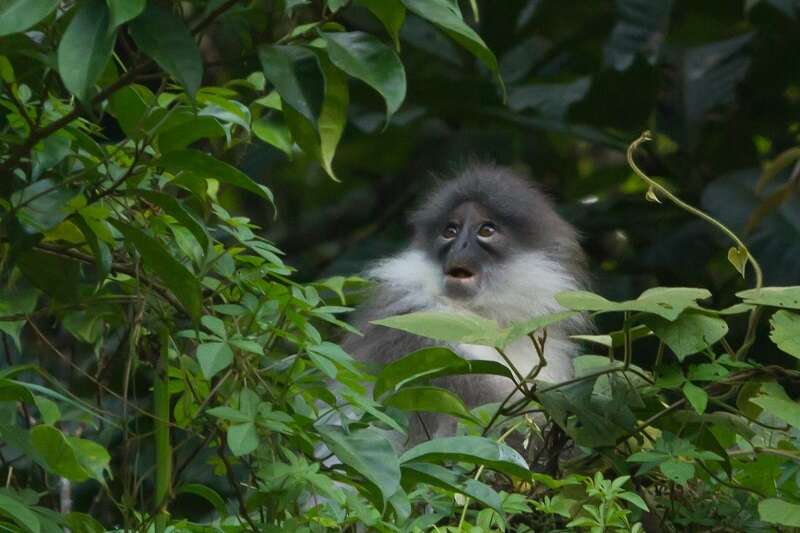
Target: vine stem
x=647, y=136
x=655, y=186
x=163, y=448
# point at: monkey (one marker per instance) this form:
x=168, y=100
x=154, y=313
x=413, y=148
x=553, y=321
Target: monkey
x=487, y=242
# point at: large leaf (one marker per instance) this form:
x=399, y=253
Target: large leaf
x=158, y=260
x=162, y=35
x=430, y=400
x=366, y=58
x=786, y=332
x=368, y=452
x=476, y=450
x=295, y=73
x=439, y=476
x=208, y=166
x=19, y=15
x=447, y=16
x=688, y=334
x=666, y=302
x=782, y=408
x=85, y=48
x=57, y=453
x=430, y=363
x=450, y=327
x=777, y=511
x=786, y=297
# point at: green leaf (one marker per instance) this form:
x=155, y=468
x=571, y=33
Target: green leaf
x=242, y=438
x=677, y=471
x=130, y=106
x=85, y=48
x=446, y=15
x=786, y=410
x=439, y=476
x=15, y=509
x=532, y=325
x=786, y=297
x=207, y=493
x=430, y=363
x=368, y=452
x=48, y=409
x=19, y=15
x=83, y=523
x=163, y=36
x=450, y=327
x=57, y=453
x=295, y=73
x=666, y=302
x=777, y=511
x=738, y=258
x=786, y=332
x=55, y=276
x=429, y=399
x=101, y=251
x=16, y=301
x=175, y=209
x=93, y=458
x=175, y=136
x=274, y=132
x=333, y=116
x=124, y=10
x=208, y=166
x=391, y=13
x=366, y=58
x=214, y=357
x=41, y=206
x=690, y=333
x=696, y=396
x=475, y=450
x=158, y=260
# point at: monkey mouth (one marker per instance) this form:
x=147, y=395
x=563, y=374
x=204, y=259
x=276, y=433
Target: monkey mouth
x=460, y=282
x=460, y=273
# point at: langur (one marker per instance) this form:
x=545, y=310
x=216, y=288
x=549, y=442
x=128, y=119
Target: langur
x=489, y=243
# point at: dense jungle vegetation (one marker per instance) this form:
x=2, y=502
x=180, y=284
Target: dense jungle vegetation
x=189, y=189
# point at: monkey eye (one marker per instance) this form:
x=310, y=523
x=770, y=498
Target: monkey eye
x=450, y=231
x=487, y=230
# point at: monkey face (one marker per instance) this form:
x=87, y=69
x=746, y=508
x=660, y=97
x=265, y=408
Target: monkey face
x=470, y=243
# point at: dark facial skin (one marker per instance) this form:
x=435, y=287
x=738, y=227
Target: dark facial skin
x=469, y=244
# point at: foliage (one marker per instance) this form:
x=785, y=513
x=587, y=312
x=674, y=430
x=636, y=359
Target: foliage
x=164, y=367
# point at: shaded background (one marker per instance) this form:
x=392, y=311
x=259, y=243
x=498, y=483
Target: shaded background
x=718, y=81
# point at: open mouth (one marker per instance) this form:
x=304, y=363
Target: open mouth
x=460, y=274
